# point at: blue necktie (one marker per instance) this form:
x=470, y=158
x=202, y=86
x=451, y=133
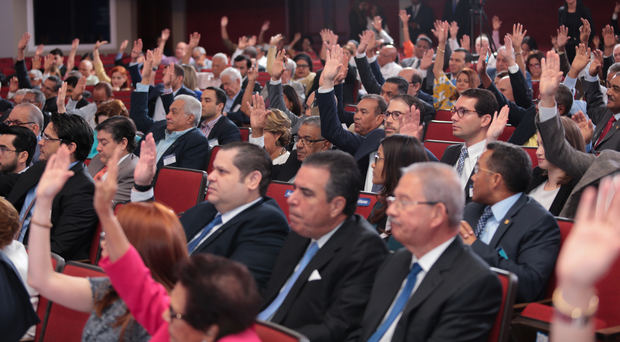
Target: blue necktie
x=273, y=307
x=460, y=164
x=191, y=246
x=482, y=222
x=399, y=305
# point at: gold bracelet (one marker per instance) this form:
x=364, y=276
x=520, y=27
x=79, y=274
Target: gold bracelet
x=441, y=50
x=48, y=226
x=572, y=313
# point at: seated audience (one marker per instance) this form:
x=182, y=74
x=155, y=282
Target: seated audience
x=271, y=129
x=119, y=77
x=29, y=116
x=17, y=146
x=510, y=230
x=218, y=128
x=414, y=294
x=303, y=71
x=102, y=92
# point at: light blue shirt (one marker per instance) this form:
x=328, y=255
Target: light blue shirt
x=167, y=141
x=499, y=210
x=229, y=102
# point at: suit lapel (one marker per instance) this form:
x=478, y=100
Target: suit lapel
x=232, y=223
x=615, y=127
x=506, y=221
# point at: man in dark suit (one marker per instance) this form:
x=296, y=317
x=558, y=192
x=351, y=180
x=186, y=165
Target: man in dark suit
x=179, y=142
x=471, y=116
x=458, y=10
x=434, y=289
x=73, y=217
x=421, y=19
x=511, y=230
x=323, y=275
x=218, y=128
x=368, y=117
x=231, y=84
x=606, y=117
x=17, y=146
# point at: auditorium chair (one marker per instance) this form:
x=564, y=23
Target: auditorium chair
x=43, y=307
x=280, y=191
x=245, y=133
x=365, y=203
x=214, y=151
x=438, y=147
x=180, y=188
x=501, y=328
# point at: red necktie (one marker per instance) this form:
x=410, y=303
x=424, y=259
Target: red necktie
x=100, y=174
x=606, y=130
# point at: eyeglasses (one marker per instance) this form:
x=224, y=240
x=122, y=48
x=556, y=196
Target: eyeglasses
x=4, y=149
x=477, y=169
x=400, y=203
x=306, y=140
x=460, y=112
x=48, y=138
x=395, y=114
x=176, y=315
x=377, y=158
x=17, y=123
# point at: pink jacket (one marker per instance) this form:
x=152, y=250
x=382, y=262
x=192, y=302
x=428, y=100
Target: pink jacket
x=147, y=299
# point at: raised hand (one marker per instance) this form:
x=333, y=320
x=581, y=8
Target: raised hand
x=165, y=34
x=342, y=74
x=367, y=39
x=48, y=62
x=147, y=68
x=333, y=65
x=454, y=29
x=582, y=58
x=427, y=59
x=13, y=84
x=60, y=98
x=585, y=126
x=498, y=124
x=75, y=44
x=21, y=45
x=377, y=23
x=265, y=26
x=465, y=42
x=509, y=51
x=496, y=23
x=168, y=76
x=518, y=34
x=609, y=39
x=105, y=190
x=550, y=77
x=146, y=167
x=275, y=40
x=98, y=44
x=194, y=39
x=79, y=89
x=404, y=16
x=39, y=50
x=584, y=31
x=224, y=21
x=252, y=41
x=243, y=42
x=123, y=46
x=597, y=62
x=56, y=174
x=277, y=68
x=136, y=50
x=258, y=113
x=410, y=123
x=252, y=73
x=158, y=54
x=562, y=37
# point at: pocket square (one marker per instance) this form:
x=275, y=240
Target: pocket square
x=314, y=276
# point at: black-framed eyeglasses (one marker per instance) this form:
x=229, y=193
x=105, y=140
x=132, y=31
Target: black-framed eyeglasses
x=400, y=203
x=377, y=158
x=460, y=112
x=17, y=123
x=176, y=315
x=395, y=114
x=307, y=140
x=4, y=149
x=48, y=138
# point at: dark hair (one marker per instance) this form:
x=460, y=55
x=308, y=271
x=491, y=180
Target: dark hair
x=120, y=127
x=512, y=163
x=468, y=56
x=240, y=58
x=531, y=42
x=344, y=176
x=563, y=96
x=402, y=84
x=72, y=128
x=292, y=96
x=220, y=95
x=25, y=140
x=56, y=52
x=534, y=54
x=106, y=87
x=416, y=78
x=72, y=81
x=219, y=291
x=381, y=104
x=305, y=58
x=56, y=80
x=250, y=52
x=486, y=102
x=398, y=151
x=251, y=158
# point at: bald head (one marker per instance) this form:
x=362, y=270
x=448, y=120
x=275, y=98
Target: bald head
x=387, y=54
x=27, y=115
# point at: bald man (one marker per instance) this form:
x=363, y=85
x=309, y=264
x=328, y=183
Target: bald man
x=387, y=59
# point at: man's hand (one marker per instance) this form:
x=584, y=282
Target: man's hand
x=275, y=40
x=562, y=37
x=584, y=31
x=496, y=23
x=441, y=32
x=48, y=62
x=465, y=42
x=146, y=167
x=410, y=123
x=252, y=41
x=105, y=190
x=39, y=50
x=243, y=42
x=367, y=39
x=158, y=54
x=60, y=98
x=79, y=88
x=165, y=34
x=265, y=26
x=377, y=23
x=147, y=68
x=21, y=45
x=518, y=33
x=342, y=74
x=13, y=84
x=467, y=234
x=498, y=124
x=597, y=62
x=123, y=46
x=252, y=75
x=277, y=68
x=427, y=59
x=549, y=79
x=98, y=44
x=585, y=126
x=224, y=21
x=136, y=50
x=454, y=30
x=609, y=39
x=258, y=113
x=194, y=40
x=582, y=58
x=333, y=65
x=404, y=17
x=75, y=44
x=509, y=52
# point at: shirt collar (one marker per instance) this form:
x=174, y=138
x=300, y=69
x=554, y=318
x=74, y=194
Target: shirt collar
x=210, y=124
x=500, y=209
x=176, y=134
x=428, y=260
x=229, y=215
x=477, y=148
x=323, y=239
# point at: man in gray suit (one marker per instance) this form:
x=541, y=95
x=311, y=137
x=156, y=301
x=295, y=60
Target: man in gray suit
x=588, y=168
x=114, y=133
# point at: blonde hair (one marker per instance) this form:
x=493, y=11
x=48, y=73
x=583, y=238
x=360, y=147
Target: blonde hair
x=277, y=122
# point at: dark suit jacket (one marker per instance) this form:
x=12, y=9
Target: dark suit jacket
x=424, y=20
x=73, y=217
x=439, y=309
x=7, y=181
x=224, y=131
x=288, y=170
x=539, y=177
x=600, y=115
x=328, y=309
x=460, y=15
x=520, y=117
x=359, y=146
x=253, y=237
x=530, y=237
x=451, y=156
x=191, y=150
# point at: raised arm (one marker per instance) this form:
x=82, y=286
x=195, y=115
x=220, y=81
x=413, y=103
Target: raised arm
x=369, y=81
x=441, y=32
x=520, y=90
x=72, y=292
x=98, y=64
x=518, y=34
x=194, y=40
x=20, y=65
x=264, y=28
x=71, y=59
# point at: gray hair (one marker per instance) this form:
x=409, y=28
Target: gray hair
x=39, y=97
x=191, y=106
x=221, y=55
x=290, y=65
x=232, y=73
x=34, y=114
x=440, y=183
x=312, y=121
x=22, y=91
x=201, y=50
x=37, y=74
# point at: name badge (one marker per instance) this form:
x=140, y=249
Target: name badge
x=170, y=159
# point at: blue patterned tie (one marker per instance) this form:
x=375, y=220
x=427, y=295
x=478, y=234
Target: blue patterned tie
x=482, y=222
x=191, y=246
x=399, y=305
x=460, y=164
x=273, y=307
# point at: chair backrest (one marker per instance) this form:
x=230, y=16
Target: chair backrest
x=263, y=78
x=531, y=151
x=245, y=133
x=95, y=246
x=438, y=147
x=280, y=191
x=443, y=115
x=565, y=225
x=272, y=332
x=64, y=324
x=365, y=203
x=43, y=307
x=440, y=130
x=180, y=188
x=501, y=328
x=214, y=151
